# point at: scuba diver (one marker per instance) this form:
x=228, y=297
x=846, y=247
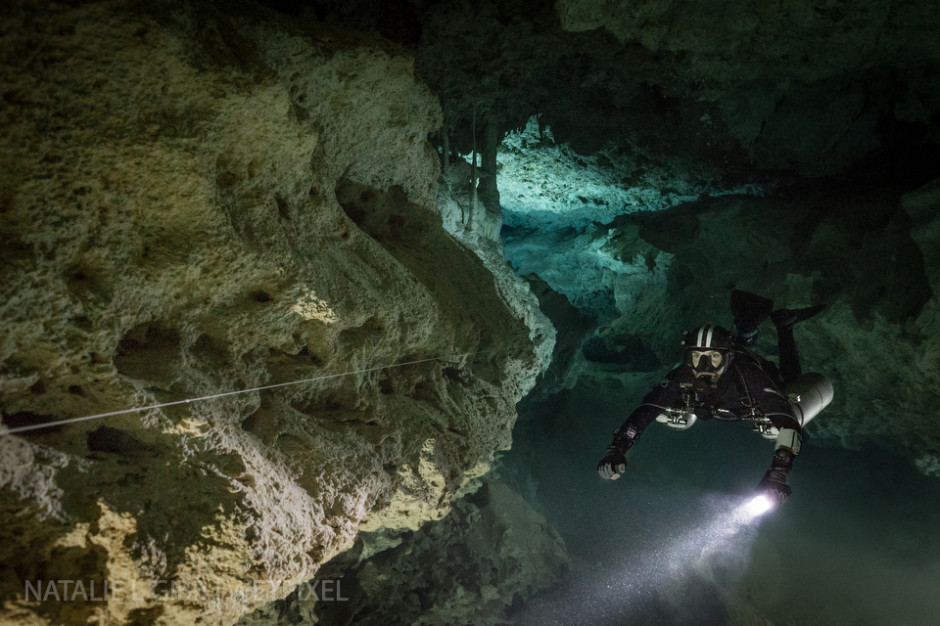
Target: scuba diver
x=719, y=378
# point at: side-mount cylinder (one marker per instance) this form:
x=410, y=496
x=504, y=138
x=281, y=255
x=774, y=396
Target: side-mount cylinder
x=809, y=394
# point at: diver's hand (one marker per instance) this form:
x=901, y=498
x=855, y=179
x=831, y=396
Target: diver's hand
x=612, y=465
x=774, y=484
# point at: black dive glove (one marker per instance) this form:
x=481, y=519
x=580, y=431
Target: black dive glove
x=774, y=484
x=613, y=464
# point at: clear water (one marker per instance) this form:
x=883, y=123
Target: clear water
x=856, y=544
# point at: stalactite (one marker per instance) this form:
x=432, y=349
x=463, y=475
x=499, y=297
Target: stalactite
x=488, y=190
x=473, y=170
x=445, y=151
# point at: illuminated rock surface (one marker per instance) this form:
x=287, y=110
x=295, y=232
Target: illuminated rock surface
x=197, y=203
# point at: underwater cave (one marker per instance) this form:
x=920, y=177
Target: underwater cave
x=325, y=312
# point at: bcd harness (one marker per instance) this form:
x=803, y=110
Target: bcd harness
x=694, y=405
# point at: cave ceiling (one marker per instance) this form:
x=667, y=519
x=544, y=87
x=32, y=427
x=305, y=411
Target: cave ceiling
x=810, y=87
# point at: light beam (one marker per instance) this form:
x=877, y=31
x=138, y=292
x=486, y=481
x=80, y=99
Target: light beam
x=757, y=506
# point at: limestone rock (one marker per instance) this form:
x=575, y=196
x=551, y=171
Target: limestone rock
x=798, y=84
x=477, y=225
x=811, y=87
x=490, y=553
x=200, y=199
x=923, y=207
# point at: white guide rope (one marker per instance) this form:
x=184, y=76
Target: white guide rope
x=85, y=418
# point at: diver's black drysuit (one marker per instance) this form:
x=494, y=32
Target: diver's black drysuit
x=748, y=390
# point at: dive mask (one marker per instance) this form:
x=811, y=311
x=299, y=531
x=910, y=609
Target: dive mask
x=707, y=362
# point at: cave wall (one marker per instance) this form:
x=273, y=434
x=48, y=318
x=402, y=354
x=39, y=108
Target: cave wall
x=200, y=198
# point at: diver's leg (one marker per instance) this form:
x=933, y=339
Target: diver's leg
x=790, y=368
x=784, y=320
x=748, y=310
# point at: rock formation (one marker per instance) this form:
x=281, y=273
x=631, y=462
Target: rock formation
x=197, y=202
x=488, y=556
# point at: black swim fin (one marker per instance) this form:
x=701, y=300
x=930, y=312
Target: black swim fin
x=749, y=310
x=785, y=318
